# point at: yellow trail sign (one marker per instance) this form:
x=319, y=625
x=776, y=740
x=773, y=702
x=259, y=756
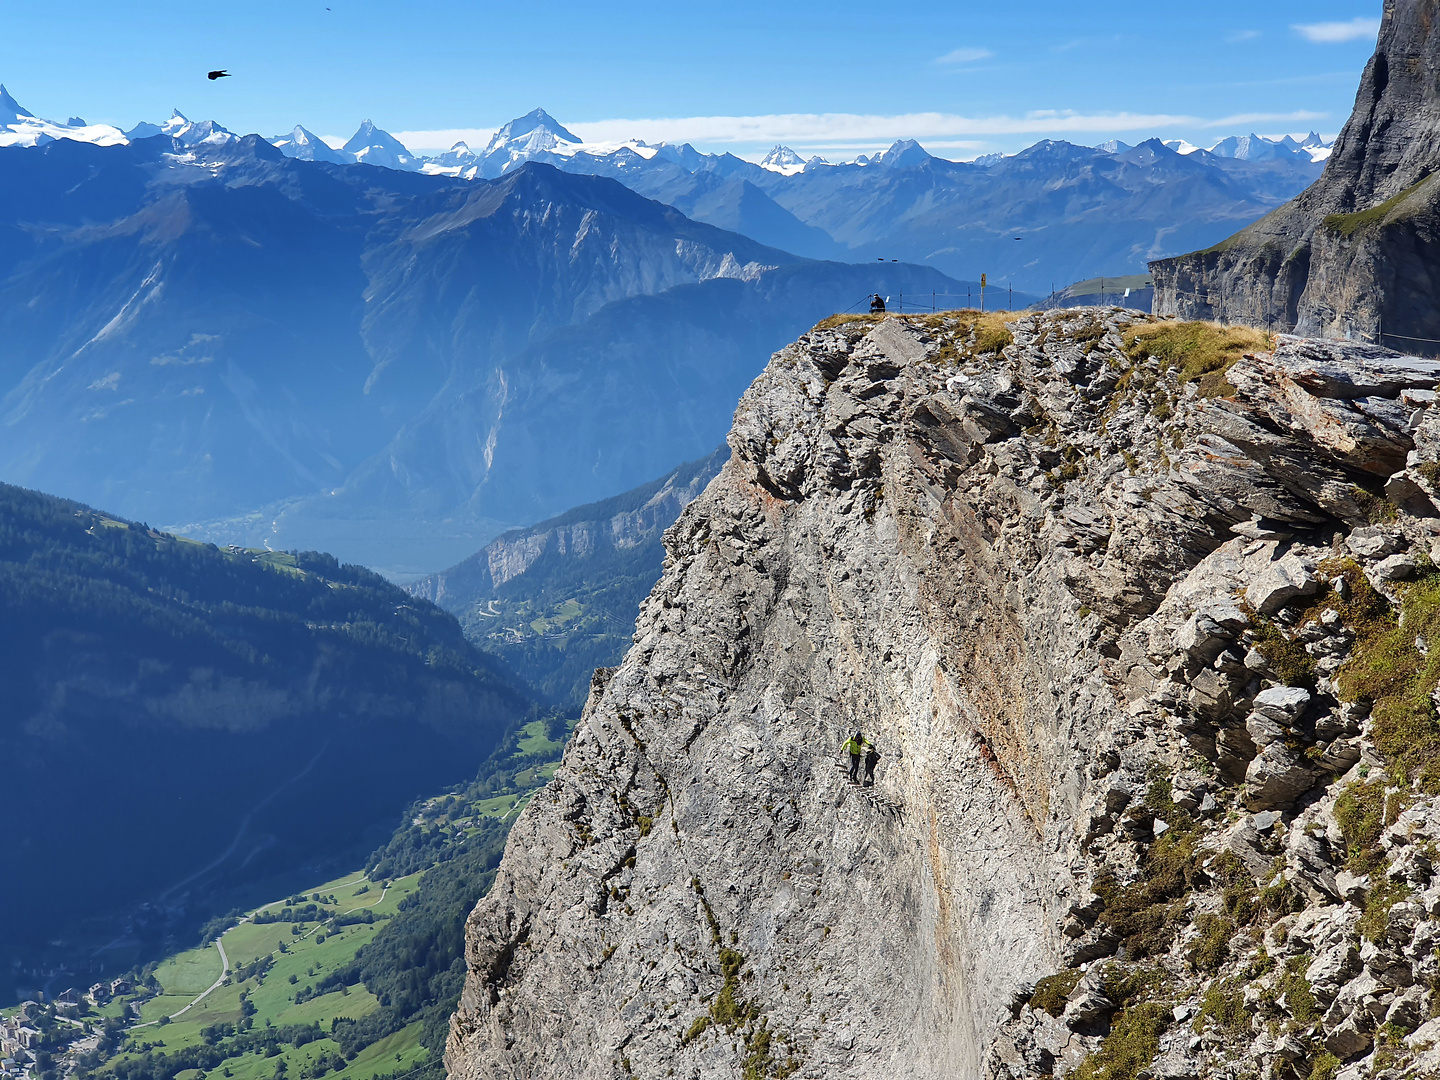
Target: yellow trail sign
x=982, y=281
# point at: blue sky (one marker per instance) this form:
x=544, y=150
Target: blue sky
x=836, y=78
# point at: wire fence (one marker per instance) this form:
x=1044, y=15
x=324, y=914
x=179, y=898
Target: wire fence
x=1378, y=336
x=934, y=302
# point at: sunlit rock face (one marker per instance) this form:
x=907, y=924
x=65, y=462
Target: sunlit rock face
x=1077, y=596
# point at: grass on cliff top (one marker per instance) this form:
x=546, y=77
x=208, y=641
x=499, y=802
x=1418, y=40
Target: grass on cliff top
x=1388, y=669
x=939, y=320
x=1199, y=352
x=1407, y=204
x=964, y=334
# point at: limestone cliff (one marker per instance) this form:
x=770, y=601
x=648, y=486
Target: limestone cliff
x=1354, y=255
x=1102, y=591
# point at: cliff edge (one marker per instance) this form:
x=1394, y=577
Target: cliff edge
x=1353, y=256
x=1095, y=586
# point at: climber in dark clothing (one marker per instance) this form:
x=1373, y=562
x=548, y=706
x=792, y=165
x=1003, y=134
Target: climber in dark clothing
x=877, y=305
x=872, y=758
x=855, y=747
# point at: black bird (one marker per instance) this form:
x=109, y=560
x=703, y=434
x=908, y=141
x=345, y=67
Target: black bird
x=213, y=75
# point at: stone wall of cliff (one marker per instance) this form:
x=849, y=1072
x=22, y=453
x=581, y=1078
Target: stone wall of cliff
x=1353, y=256
x=1091, y=585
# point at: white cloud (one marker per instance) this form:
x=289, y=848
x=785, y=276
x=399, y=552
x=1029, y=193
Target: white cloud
x=1240, y=36
x=840, y=129
x=845, y=133
x=1332, y=33
x=964, y=56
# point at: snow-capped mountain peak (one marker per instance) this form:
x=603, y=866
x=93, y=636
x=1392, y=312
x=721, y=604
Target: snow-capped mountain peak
x=305, y=145
x=11, y=111
x=195, y=133
x=902, y=153
x=20, y=127
x=371, y=145
x=783, y=160
x=177, y=123
x=536, y=134
x=537, y=129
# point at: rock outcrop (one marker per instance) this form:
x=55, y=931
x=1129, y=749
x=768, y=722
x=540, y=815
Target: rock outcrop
x=1354, y=255
x=1123, y=629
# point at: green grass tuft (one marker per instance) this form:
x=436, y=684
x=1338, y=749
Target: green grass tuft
x=1131, y=1046
x=1200, y=352
x=1053, y=991
x=1387, y=670
x=1396, y=208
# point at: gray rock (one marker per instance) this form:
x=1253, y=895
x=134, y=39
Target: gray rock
x=1086, y=1003
x=1264, y=820
x=1202, y=637
x=1265, y=730
x=1308, y=858
x=1283, y=581
x=1244, y=842
x=1352, y=887
x=1386, y=963
x=1407, y=1009
x=870, y=552
x=1283, y=704
x=1394, y=568
x=1331, y=970
x=1276, y=778
x=1349, y=1039
x=1372, y=542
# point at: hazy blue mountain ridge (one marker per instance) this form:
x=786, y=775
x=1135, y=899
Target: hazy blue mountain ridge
x=252, y=348
x=559, y=599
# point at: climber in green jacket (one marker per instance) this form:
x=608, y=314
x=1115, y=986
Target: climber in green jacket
x=855, y=747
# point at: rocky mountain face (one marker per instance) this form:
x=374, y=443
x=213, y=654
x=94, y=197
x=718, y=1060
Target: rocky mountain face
x=1352, y=256
x=1140, y=616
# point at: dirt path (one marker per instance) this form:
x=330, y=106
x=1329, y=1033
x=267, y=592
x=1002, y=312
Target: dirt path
x=224, y=970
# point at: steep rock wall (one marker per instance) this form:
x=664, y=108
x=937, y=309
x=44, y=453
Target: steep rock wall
x=988, y=563
x=1354, y=255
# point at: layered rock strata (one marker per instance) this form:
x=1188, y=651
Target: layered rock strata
x=1354, y=255
x=1098, y=623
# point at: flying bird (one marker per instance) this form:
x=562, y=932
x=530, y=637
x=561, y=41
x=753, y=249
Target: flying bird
x=213, y=75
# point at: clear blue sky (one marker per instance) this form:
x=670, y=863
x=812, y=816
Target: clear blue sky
x=834, y=77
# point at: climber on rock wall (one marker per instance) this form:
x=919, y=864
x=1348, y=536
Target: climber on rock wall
x=855, y=747
x=872, y=758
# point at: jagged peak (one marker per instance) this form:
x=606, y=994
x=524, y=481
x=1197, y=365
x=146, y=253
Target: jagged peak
x=10, y=109
x=535, y=120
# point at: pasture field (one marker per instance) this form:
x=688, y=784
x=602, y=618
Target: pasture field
x=295, y=953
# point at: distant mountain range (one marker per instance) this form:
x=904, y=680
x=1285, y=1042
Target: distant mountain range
x=1053, y=213
x=203, y=333
x=396, y=358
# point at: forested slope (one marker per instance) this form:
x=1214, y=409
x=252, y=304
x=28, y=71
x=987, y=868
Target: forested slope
x=174, y=712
